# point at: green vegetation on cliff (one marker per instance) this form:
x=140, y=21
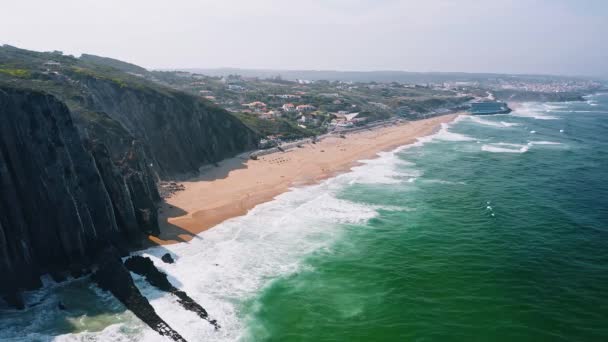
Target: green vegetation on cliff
x=118, y=104
x=286, y=128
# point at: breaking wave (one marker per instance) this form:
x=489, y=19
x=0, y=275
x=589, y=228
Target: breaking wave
x=505, y=148
x=535, y=111
x=514, y=148
x=501, y=124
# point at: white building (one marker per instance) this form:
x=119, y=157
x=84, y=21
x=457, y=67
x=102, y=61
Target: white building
x=288, y=107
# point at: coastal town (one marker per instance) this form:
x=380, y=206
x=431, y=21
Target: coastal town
x=284, y=110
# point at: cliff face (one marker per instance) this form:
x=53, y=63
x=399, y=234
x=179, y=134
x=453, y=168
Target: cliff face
x=180, y=131
x=59, y=206
x=117, y=103
x=81, y=151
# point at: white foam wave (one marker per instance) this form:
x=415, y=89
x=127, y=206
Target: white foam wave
x=505, y=148
x=115, y=332
x=445, y=135
x=441, y=181
x=591, y=102
x=514, y=148
x=544, y=143
x=534, y=111
x=238, y=257
x=392, y=208
x=387, y=169
x=501, y=124
x=553, y=107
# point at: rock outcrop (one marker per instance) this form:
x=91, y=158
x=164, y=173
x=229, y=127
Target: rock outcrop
x=167, y=258
x=145, y=267
x=59, y=206
x=114, y=277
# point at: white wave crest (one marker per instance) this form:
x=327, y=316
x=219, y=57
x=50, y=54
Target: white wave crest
x=445, y=135
x=382, y=170
x=534, y=111
x=501, y=124
x=544, y=143
x=115, y=332
x=592, y=102
x=514, y=148
x=505, y=148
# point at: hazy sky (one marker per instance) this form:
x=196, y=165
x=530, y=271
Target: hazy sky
x=516, y=36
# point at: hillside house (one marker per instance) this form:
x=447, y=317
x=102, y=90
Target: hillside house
x=288, y=107
x=305, y=108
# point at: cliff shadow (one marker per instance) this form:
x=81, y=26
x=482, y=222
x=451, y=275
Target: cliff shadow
x=220, y=170
x=170, y=233
x=175, y=226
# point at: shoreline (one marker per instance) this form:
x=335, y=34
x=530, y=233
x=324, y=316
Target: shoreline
x=238, y=184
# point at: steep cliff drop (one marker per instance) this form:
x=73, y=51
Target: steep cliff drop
x=62, y=210
x=83, y=144
x=55, y=211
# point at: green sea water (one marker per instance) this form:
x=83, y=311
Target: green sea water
x=497, y=230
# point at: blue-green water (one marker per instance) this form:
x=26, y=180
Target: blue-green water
x=500, y=235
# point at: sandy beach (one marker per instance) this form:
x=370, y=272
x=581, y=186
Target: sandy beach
x=238, y=184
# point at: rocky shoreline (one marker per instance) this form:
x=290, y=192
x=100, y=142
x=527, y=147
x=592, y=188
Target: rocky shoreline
x=115, y=276
x=84, y=144
x=66, y=200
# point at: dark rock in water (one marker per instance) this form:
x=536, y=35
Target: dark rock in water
x=114, y=277
x=61, y=306
x=167, y=258
x=15, y=300
x=145, y=267
x=58, y=276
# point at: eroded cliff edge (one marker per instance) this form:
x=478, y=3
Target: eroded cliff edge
x=59, y=206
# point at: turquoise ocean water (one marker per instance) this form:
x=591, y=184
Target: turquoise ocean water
x=499, y=233
x=494, y=229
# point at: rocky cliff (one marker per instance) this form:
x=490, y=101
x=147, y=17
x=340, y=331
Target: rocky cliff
x=117, y=103
x=180, y=132
x=60, y=205
x=82, y=146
